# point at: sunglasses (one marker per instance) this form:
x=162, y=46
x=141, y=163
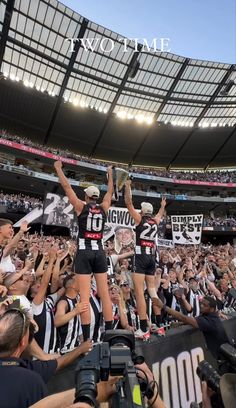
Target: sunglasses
x=124, y=285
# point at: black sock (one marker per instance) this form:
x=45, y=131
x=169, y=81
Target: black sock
x=108, y=325
x=86, y=331
x=158, y=320
x=143, y=325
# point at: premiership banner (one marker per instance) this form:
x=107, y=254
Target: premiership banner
x=187, y=229
x=57, y=211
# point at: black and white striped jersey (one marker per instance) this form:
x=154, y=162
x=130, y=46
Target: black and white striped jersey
x=194, y=298
x=146, y=232
x=44, y=316
x=68, y=334
x=91, y=224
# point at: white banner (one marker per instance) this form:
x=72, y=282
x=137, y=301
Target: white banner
x=167, y=243
x=187, y=229
x=32, y=217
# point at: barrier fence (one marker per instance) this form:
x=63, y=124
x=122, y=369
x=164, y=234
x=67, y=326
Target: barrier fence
x=173, y=358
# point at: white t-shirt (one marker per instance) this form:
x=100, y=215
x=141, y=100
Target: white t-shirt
x=7, y=265
x=25, y=304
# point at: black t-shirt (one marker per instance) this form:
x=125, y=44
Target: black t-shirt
x=214, y=332
x=19, y=386
x=46, y=369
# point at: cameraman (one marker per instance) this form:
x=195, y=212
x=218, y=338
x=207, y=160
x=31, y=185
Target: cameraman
x=105, y=391
x=208, y=323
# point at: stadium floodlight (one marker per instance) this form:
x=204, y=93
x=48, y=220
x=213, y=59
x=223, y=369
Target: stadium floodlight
x=139, y=118
x=82, y=104
x=105, y=111
x=75, y=102
x=5, y=74
x=129, y=116
x=149, y=120
x=100, y=109
x=121, y=115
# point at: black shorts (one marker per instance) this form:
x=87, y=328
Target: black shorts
x=88, y=261
x=144, y=264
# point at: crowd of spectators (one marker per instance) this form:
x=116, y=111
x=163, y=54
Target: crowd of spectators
x=223, y=221
x=19, y=203
x=36, y=272
x=207, y=176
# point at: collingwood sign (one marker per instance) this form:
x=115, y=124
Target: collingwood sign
x=107, y=45
x=177, y=377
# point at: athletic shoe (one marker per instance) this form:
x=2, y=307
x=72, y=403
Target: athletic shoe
x=139, y=334
x=158, y=330
x=154, y=328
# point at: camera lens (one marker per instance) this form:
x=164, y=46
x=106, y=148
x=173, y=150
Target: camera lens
x=207, y=373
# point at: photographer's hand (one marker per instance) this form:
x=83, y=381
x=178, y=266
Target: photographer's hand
x=206, y=395
x=106, y=389
x=143, y=368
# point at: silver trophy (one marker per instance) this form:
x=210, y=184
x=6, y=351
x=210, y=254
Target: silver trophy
x=119, y=178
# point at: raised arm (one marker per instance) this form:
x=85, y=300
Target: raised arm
x=106, y=202
x=74, y=200
x=161, y=211
x=56, y=270
x=14, y=241
x=41, y=294
x=129, y=204
x=177, y=315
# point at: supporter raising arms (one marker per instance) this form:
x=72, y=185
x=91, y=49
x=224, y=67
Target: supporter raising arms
x=146, y=233
x=90, y=257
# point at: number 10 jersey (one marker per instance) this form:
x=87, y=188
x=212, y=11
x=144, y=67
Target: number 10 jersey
x=91, y=224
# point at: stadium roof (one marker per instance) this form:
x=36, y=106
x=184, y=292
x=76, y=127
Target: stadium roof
x=161, y=97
